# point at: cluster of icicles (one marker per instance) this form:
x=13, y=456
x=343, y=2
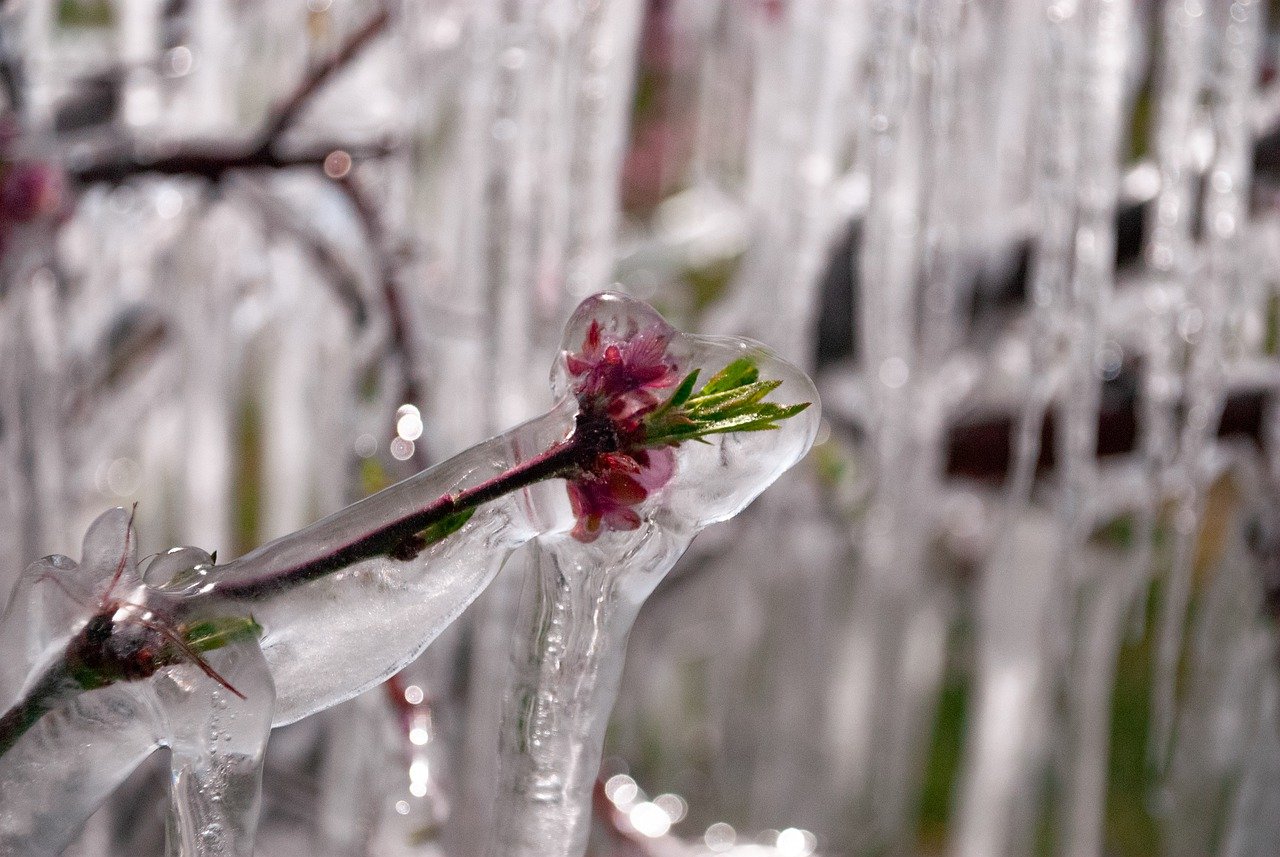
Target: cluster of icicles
x=1007, y=273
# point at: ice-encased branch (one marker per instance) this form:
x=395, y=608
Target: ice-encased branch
x=349, y=600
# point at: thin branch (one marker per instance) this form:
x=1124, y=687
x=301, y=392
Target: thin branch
x=401, y=337
x=212, y=162
x=280, y=217
x=376, y=234
x=287, y=112
x=593, y=436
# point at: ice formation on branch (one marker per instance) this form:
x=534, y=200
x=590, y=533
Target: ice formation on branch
x=204, y=658
x=637, y=510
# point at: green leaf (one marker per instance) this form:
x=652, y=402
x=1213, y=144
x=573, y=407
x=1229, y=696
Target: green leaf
x=721, y=402
x=209, y=634
x=446, y=526
x=736, y=374
x=732, y=401
x=763, y=418
x=679, y=397
x=739, y=422
x=684, y=391
x=784, y=412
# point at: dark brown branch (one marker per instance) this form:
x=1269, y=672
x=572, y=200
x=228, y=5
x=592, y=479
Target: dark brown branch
x=401, y=337
x=376, y=234
x=983, y=448
x=287, y=112
x=211, y=162
x=343, y=279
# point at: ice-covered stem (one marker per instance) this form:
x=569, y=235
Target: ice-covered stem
x=55, y=687
x=615, y=436
x=406, y=537
x=350, y=599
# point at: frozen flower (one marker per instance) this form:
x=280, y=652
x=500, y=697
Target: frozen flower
x=632, y=385
x=621, y=379
x=604, y=498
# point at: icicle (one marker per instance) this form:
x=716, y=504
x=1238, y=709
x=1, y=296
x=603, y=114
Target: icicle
x=806, y=66
x=1113, y=583
x=218, y=742
x=1054, y=184
x=804, y=132
x=1227, y=679
x=1170, y=251
x=545, y=116
x=998, y=781
x=1105, y=40
x=908, y=407
x=888, y=262
x=1225, y=213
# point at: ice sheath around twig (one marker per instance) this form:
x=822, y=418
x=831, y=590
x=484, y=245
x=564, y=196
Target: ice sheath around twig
x=348, y=601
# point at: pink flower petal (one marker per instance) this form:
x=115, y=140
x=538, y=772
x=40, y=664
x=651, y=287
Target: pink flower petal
x=622, y=519
x=658, y=469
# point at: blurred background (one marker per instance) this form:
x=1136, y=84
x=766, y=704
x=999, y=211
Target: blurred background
x=260, y=259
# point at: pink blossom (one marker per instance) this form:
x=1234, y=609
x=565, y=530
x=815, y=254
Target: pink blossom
x=29, y=191
x=604, y=499
x=622, y=378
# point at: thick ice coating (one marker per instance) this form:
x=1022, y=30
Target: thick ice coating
x=329, y=638
x=638, y=456
x=578, y=607
x=70, y=760
x=711, y=481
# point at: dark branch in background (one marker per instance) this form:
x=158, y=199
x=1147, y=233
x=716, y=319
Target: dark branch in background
x=345, y=282
x=401, y=338
x=981, y=447
x=137, y=334
x=343, y=279
x=10, y=74
x=213, y=162
x=376, y=233
x=11, y=70
x=284, y=115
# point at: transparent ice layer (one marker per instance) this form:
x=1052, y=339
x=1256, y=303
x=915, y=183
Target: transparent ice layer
x=105, y=670
x=578, y=607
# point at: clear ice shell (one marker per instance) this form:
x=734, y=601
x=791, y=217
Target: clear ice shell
x=715, y=481
x=66, y=765
x=331, y=638
x=327, y=639
x=577, y=610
